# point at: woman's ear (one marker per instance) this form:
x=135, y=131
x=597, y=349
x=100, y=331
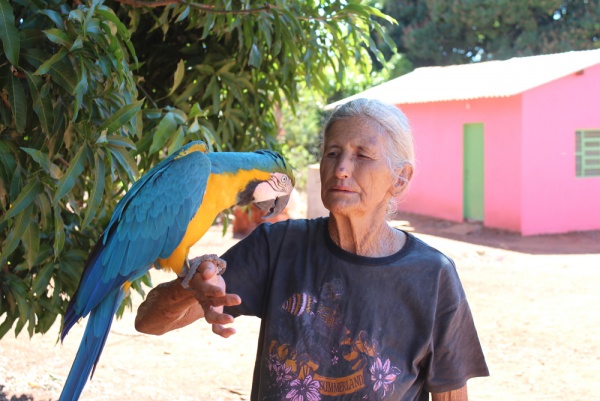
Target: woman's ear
x=404, y=176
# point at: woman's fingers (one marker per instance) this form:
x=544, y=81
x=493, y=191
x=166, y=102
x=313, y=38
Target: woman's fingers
x=223, y=331
x=218, y=319
x=209, y=291
x=207, y=270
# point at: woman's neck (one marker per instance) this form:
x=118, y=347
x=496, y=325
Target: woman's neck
x=365, y=238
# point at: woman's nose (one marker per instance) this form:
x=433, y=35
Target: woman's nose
x=343, y=167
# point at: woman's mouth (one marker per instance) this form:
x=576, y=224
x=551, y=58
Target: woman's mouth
x=341, y=188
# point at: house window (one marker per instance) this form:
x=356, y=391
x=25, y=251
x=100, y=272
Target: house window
x=587, y=153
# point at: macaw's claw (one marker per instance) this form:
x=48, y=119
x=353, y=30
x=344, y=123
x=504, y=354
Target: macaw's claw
x=189, y=269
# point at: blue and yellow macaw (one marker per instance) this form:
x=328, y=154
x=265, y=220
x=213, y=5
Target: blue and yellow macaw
x=164, y=214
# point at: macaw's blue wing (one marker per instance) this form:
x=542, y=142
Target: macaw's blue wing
x=147, y=224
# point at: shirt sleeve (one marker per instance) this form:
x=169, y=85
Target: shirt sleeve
x=456, y=354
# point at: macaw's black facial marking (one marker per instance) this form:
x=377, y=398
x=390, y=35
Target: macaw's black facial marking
x=247, y=195
x=272, y=206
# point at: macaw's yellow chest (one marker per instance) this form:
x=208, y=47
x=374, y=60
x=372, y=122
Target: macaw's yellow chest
x=221, y=193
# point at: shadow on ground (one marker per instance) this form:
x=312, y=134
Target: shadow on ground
x=22, y=397
x=580, y=242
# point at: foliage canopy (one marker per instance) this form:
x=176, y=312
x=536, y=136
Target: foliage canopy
x=96, y=92
x=444, y=32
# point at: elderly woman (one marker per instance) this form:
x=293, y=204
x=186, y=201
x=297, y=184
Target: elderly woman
x=351, y=308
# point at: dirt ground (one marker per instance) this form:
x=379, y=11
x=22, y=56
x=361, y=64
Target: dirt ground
x=535, y=301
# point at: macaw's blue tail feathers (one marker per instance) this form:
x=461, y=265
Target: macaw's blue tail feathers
x=93, y=286
x=73, y=313
x=91, y=345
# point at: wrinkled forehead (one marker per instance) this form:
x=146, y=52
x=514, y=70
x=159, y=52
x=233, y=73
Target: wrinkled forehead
x=367, y=128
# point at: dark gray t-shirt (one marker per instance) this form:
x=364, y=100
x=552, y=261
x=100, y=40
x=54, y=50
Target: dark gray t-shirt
x=341, y=326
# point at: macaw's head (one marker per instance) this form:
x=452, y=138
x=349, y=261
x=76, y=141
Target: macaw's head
x=273, y=193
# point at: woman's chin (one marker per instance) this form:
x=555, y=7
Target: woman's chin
x=341, y=208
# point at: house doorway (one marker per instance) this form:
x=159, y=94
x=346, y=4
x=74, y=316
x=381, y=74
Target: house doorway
x=473, y=171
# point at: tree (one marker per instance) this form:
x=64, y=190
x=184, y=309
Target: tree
x=441, y=32
x=94, y=93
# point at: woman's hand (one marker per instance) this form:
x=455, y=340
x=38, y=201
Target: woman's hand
x=169, y=306
x=209, y=290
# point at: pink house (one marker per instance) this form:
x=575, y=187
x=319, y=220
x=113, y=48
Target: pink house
x=514, y=144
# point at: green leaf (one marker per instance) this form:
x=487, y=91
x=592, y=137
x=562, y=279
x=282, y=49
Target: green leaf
x=120, y=140
x=377, y=13
x=9, y=33
x=7, y=160
x=42, y=159
x=357, y=9
x=118, y=119
x=97, y=191
x=31, y=242
x=42, y=104
x=183, y=15
x=10, y=300
x=42, y=279
x=177, y=140
x=16, y=183
x=18, y=102
x=179, y=116
x=59, y=232
x=77, y=44
x=58, y=36
x=56, y=18
x=45, y=67
x=93, y=28
x=165, y=128
x=255, y=58
x=209, y=21
x=30, y=38
x=16, y=234
x=77, y=15
x=126, y=162
x=195, y=111
x=178, y=77
x=20, y=295
x=7, y=324
x=26, y=196
x=33, y=307
x=45, y=208
x=205, y=69
x=108, y=14
x=46, y=320
x=35, y=56
x=63, y=73
x=71, y=175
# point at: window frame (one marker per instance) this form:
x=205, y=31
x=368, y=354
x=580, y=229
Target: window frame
x=587, y=153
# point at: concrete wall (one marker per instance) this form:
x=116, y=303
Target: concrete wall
x=437, y=187
x=553, y=199
x=314, y=205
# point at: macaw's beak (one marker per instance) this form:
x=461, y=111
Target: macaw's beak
x=273, y=206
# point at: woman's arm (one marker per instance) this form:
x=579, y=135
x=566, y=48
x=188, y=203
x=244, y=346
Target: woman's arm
x=453, y=395
x=169, y=306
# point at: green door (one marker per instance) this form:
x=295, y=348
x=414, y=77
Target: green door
x=473, y=171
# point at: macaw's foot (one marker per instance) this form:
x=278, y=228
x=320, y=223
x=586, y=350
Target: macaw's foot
x=190, y=268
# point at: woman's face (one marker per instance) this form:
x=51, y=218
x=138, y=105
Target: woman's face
x=355, y=175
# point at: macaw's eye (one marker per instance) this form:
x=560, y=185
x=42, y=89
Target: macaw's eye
x=284, y=179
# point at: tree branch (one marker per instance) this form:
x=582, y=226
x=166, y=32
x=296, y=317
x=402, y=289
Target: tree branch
x=202, y=7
